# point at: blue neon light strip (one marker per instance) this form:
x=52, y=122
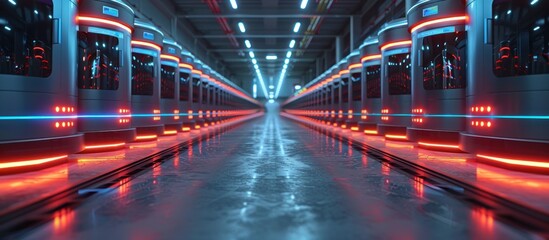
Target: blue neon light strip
x=46, y=117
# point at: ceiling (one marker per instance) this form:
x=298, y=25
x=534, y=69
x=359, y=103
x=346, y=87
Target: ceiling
x=269, y=28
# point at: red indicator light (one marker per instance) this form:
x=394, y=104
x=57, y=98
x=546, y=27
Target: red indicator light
x=354, y=129
x=186, y=129
x=176, y=114
x=172, y=132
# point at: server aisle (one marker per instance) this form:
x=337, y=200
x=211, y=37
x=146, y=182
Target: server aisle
x=274, y=179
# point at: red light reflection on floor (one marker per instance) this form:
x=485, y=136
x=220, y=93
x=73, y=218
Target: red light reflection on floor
x=62, y=220
x=124, y=187
x=350, y=149
x=419, y=187
x=157, y=171
x=364, y=161
x=483, y=219
x=190, y=151
x=385, y=169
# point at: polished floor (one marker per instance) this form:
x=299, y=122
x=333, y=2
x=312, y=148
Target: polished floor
x=274, y=179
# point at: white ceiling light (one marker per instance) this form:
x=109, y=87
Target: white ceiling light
x=254, y=61
x=297, y=87
x=242, y=27
x=248, y=44
x=233, y=4
x=292, y=44
x=289, y=54
x=271, y=57
x=286, y=61
x=252, y=55
x=256, y=66
x=303, y=4
x=297, y=26
x=271, y=87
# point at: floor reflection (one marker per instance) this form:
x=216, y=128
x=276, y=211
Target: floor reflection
x=273, y=179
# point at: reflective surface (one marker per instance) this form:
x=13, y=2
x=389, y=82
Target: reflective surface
x=274, y=179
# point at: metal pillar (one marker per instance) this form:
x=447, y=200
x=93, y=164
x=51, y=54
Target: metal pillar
x=338, y=48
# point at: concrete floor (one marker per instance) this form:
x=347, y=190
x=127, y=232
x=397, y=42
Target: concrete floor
x=273, y=179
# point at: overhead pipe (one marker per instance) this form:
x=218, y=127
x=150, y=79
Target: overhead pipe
x=214, y=7
x=314, y=25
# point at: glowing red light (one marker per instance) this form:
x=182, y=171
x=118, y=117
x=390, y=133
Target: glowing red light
x=437, y=145
x=400, y=137
x=518, y=162
x=32, y=162
x=104, y=21
x=371, y=57
x=146, y=137
x=356, y=65
x=396, y=44
x=437, y=21
x=169, y=57
x=147, y=44
x=184, y=65
x=114, y=145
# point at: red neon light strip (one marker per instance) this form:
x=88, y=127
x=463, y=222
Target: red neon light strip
x=396, y=44
x=183, y=65
x=404, y=137
x=356, y=65
x=436, y=21
x=371, y=57
x=104, y=21
x=370, y=132
x=169, y=57
x=147, y=44
x=104, y=146
x=146, y=137
x=30, y=162
x=344, y=72
x=438, y=145
x=173, y=132
x=518, y=162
